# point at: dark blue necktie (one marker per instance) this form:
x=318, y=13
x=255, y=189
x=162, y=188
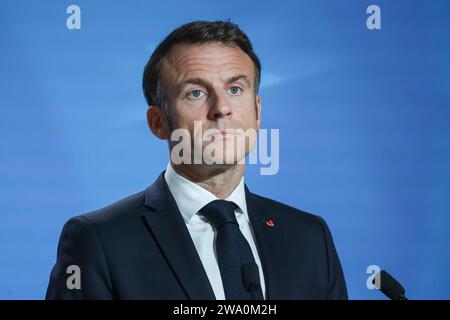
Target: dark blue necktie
x=233, y=250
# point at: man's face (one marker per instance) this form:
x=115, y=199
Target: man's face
x=212, y=83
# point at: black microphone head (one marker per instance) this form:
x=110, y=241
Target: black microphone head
x=250, y=276
x=389, y=286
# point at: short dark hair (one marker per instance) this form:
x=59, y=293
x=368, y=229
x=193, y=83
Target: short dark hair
x=196, y=32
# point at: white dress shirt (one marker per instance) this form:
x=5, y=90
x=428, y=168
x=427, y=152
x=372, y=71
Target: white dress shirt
x=190, y=198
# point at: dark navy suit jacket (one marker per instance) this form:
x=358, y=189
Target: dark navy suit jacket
x=140, y=248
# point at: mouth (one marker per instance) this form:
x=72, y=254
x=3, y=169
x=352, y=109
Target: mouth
x=222, y=134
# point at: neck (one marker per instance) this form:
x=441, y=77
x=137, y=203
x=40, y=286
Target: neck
x=219, y=180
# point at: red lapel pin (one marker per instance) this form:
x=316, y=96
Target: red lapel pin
x=270, y=223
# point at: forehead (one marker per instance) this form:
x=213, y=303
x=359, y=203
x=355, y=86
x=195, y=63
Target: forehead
x=205, y=60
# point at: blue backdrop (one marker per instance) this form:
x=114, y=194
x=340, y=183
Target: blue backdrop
x=364, y=119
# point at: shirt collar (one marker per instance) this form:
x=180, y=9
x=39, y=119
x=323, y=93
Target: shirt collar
x=190, y=197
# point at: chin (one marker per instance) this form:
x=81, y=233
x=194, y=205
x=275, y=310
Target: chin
x=225, y=157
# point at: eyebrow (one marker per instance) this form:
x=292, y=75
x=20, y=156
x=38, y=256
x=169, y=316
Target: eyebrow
x=239, y=77
x=205, y=83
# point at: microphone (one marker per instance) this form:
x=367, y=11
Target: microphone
x=250, y=277
x=389, y=286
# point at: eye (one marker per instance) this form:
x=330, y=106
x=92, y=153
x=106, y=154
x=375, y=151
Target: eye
x=196, y=94
x=234, y=90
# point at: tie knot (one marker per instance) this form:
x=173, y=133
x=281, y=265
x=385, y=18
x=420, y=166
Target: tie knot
x=219, y=212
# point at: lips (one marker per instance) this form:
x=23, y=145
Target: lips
x=221, y=134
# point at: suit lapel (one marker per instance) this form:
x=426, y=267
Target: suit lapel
x=170, y=231
x=271, y=246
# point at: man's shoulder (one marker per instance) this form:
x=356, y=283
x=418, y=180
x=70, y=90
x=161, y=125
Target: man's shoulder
x=125, y=209
x=287, y=212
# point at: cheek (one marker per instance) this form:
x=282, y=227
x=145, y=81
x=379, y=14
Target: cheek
x=194, y=122
x=184, y=117
x=251, y=124
x=248, y=114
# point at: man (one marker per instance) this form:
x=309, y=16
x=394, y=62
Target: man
x=198, y=232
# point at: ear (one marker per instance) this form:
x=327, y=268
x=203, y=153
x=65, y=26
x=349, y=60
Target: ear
x=258, y=111
x=157, y=122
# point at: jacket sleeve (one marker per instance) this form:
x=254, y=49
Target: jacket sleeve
x=337, y=289
x=81, y=270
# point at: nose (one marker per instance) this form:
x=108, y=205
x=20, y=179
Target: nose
x=220, y=107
